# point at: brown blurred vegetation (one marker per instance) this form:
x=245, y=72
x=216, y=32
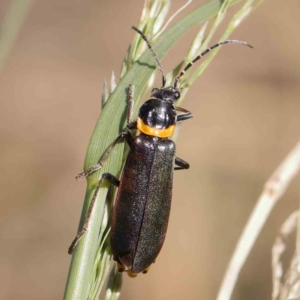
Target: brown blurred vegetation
x=246, y=119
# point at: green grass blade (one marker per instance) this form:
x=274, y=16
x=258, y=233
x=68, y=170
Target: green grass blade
x=11, y=26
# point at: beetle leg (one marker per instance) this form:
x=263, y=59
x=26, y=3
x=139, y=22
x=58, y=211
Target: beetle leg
x=185, y=116
x=181, y=164
x=113, y=180
x=124, y=134
x=120, y=267
x=132, y=125
x=146, y=270
x=130, y=274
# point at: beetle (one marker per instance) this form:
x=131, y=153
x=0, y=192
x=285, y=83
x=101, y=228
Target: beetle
x=143, y=201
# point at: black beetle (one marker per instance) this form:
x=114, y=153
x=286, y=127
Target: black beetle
x=142, y=205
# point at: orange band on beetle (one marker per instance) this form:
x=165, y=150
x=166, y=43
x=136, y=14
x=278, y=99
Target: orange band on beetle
x=162, y=133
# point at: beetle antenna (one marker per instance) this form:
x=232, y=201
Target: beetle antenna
x=153, y=54
x=205, y=52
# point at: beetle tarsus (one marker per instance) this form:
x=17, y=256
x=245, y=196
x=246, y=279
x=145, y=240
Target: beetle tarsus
x=113, y=180
x=89, y=171
x=76, y=240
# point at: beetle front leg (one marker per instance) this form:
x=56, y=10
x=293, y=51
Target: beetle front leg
x=113, y=180
x=124, y=134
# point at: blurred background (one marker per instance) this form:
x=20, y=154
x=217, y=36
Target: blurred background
x=246, y=119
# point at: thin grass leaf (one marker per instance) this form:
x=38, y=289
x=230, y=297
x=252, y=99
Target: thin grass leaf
x=105, y=93
x=173, y=17
x=153, y=16
x=102, y=262
x=278, y=249
x=103, y=269
x=196, y=45
x=234, y=22
x=192, y=53
x=216, y=23
x=159, y=19
x=11, y=25
x=114, y=285
x=113, y=83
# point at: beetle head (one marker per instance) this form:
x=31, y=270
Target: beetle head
x=169, y=94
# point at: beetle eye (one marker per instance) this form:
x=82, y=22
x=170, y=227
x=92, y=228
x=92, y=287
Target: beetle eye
x=154, y=91
x=177, y=95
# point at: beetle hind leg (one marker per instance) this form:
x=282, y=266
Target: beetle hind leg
x=113, y=180
x=121, y=268
x=146, y=270
x=130, y=274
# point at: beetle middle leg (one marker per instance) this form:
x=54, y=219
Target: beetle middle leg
x=124, y=134
x=185, y=116
x=113, y=180
x=181, y=164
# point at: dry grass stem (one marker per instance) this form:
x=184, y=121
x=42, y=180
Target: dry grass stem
x=273, y=190
x=291, y=286
x=278, y=248
x=174, y=16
